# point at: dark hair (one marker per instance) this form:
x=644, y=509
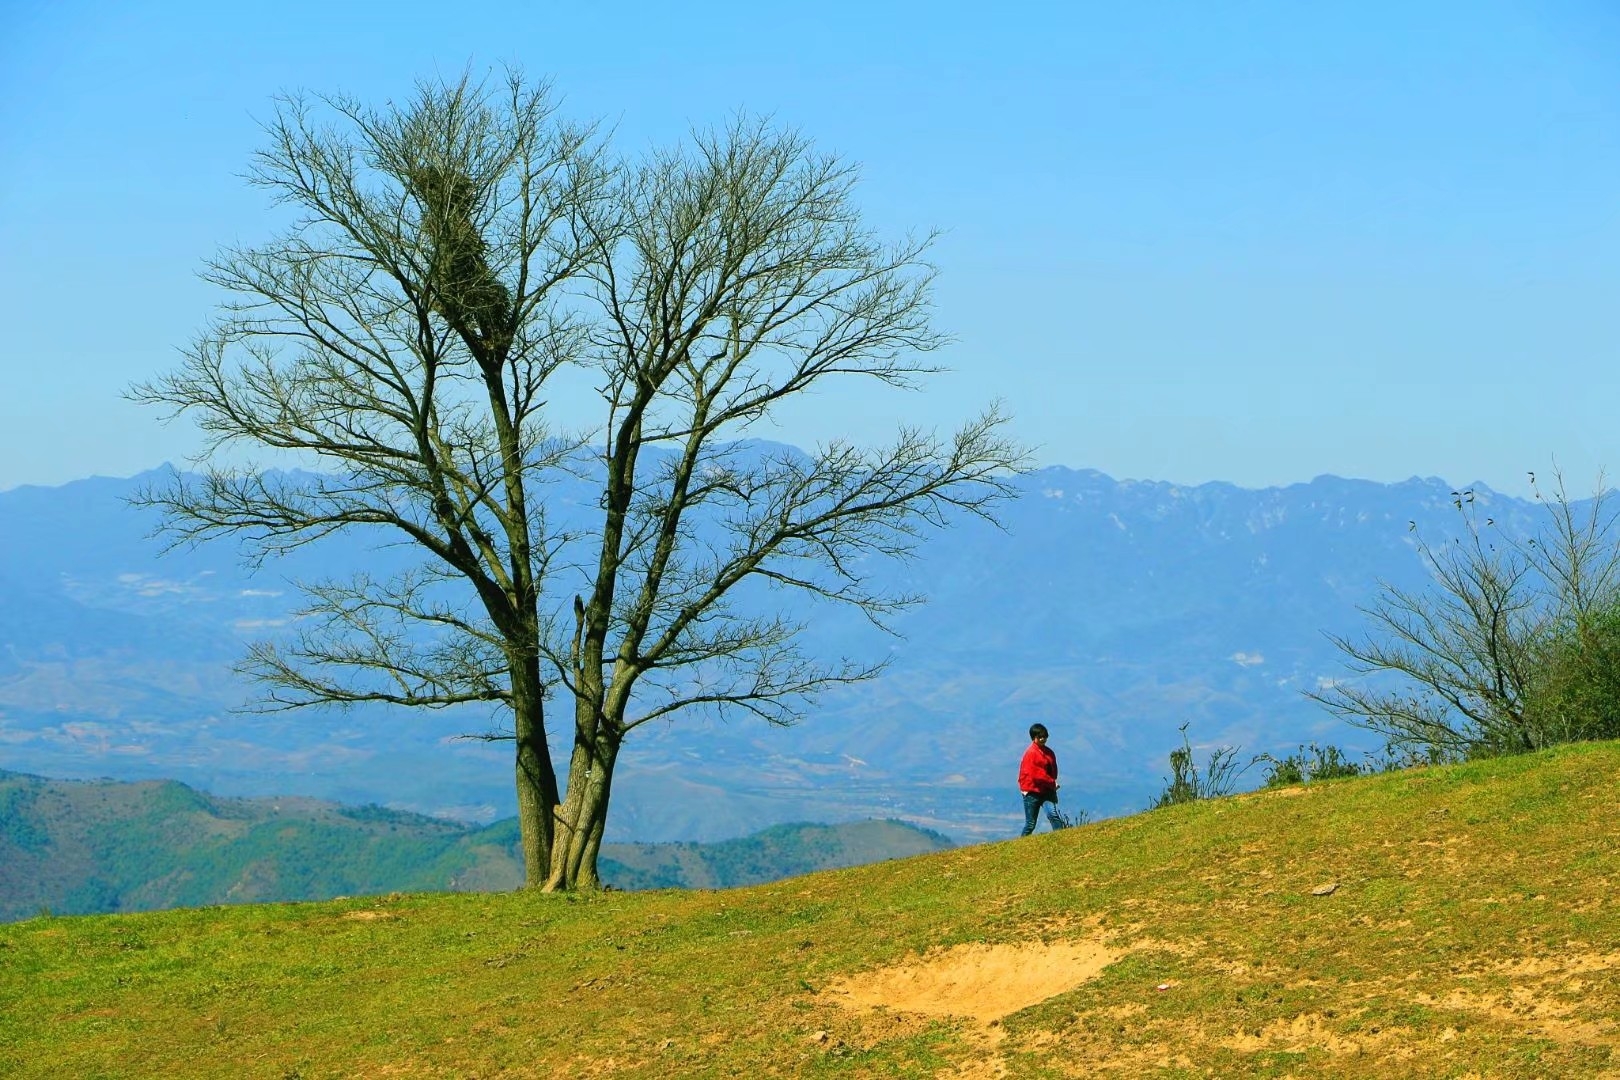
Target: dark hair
x=1036, y=731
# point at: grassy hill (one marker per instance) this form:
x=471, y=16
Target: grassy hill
x=1458, y=921
x=87, y=847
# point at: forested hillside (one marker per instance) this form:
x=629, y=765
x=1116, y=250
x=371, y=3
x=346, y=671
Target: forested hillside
x=85, y=847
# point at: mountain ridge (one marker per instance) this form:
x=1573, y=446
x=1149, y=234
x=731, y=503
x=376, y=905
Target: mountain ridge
x=1112, y=610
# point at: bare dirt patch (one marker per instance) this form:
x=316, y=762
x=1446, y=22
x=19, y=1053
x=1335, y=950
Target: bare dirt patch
x=1548, y=995
x=981, y=982
x=1305, y=1031
x=1560, y=966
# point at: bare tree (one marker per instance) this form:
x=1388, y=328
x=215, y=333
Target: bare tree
x=1462, y=668
x=451, y=255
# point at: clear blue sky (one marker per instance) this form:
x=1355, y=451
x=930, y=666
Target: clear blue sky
x=1184, y=241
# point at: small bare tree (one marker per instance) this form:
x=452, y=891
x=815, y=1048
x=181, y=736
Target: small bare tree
x=1462, y=669
x=452, y=254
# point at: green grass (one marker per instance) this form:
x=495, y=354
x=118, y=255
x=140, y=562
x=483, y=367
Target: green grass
x=1474, y=932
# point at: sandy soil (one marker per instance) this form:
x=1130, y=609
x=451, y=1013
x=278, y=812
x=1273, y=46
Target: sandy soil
x=980, y=982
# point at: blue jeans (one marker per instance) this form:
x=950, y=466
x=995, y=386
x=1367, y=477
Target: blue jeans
x=1032, y=811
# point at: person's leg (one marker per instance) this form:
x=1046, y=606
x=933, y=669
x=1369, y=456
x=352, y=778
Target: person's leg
x=1052, y=815
x=1032, y=810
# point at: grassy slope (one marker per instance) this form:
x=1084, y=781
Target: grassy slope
x=1474, y=932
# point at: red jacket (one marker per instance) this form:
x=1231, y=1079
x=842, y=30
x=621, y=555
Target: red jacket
x=1037, y=774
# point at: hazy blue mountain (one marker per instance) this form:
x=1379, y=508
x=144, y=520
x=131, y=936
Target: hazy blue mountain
x=1113, y=611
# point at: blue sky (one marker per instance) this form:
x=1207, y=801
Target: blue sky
x=1247, y=242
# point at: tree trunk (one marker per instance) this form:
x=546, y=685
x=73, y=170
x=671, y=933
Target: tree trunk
x=536, y=779
x=582, y=817
x=588, y=875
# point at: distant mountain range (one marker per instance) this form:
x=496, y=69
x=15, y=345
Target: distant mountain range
x=1113, y=611
x=91, y=847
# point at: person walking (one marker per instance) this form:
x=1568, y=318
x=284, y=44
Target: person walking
x=1037, y=779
